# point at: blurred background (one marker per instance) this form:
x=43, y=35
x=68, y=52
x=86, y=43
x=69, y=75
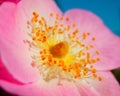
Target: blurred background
x=107, y=10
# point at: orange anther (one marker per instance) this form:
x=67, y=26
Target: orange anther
x=93, y=39
x=33, y=38
x=93, y=61
x=61, y=62
x=91, y=46
x=88, y=61
x=44, y=51
x=35, y=14
x=75, y=76
x=75, y=32
x=86, y=70
x=40, y=22
x=94, y=70
x=60, y=32
x=50, y=27
x=57, y=16
x=61, y=18
x=34, y=19
x=67, y=19
x=49, y=64
x=37, y=33
x=43, y=18
x=98, y=59
x=87, y=48
x=85, y=73
x=91, y=66
x=77, y=72
x=42, y=57
x=94, y=74
x=39, y=39
x=55, y=61
x=97, y=52
x=41, y=52
x=74, y=25
x=51, y=14
x=84, y=35
x=43, y=63
x=44, y=38
x=82, y=61
x=82, y=45
x=61, y=25
x=99, y=78
x=88, y=55
x=88, y=33
x=50, y=59
x=68, y=27
x=64, y=68
x=50, y=56
x=69, y=36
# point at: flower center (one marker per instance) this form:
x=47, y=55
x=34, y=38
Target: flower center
x=57, y=51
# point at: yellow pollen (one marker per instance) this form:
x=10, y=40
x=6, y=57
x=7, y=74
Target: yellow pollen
x=59, y=52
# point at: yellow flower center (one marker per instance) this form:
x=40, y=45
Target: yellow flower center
x=58, y=52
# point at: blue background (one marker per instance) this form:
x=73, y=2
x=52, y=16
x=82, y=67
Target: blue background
x=107, y=10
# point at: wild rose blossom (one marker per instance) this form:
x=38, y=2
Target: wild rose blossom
x=47, y=53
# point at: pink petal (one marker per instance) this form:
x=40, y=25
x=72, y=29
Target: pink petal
x=15, y=1
x=5, y=75
x=40, y=89
x=86, y=90
x=106, y=42
x=43, y=7
x=107, y=87
x=68, y=89
x=14, y=53
x=34, y=89
x=19, y=66
x=13, y=25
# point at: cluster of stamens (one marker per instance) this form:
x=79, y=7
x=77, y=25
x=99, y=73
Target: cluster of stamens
x=58, y=51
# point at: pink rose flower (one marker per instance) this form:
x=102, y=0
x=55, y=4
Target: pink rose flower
x=47, y=53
